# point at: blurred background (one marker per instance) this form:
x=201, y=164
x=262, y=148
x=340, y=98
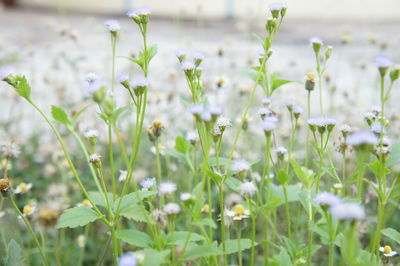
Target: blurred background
x=55, y=43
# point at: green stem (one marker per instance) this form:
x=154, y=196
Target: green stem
x=287, y=210
x=240, y=250
x=222, y=209
x=253, y=232
x=28, y=225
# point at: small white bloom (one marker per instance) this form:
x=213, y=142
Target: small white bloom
x=387, y=251
x=112, y=25
x=122, y=175
x=140, y=82
x=188, y=65
x=361, y=138
x=345, y=128
x=148, y=183
x=327, y=199
x=316, y=40
x=186, y=196
x=10, y=150
x=223, y=122
x=248, y=188
x=171, y=208
x=23, y=188
x=167, y=188
x=281, y=151
x=382, y=61
x=240, y=165
x=348, y=211
x=91, y=133
x=127, y=259
x=91, y=77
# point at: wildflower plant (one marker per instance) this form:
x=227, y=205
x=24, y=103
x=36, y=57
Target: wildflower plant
x=210, y=197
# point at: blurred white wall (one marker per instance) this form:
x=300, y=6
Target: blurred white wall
x=348, y=9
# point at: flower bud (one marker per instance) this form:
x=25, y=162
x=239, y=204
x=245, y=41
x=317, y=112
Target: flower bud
x=5, y=186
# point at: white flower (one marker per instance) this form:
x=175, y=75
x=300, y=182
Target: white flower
x=23, y=188
x=206, y=116
x=281, y=151
x=266, y=100
x=181, y=53
x=122, y=175
x=268, y=124
x=167, y=188
x=141, y=11
x=127, y=259
x=171, y=208
x=223, y=122
x=85, y=203
x=91, y=77
x=348, y=211
x=327, y=199
x=345, y=128
x=215, y=110
x=94, y=86
x=188, y=65
x=186, y=196
x=140, y=82
x=191, y=137
x=81, y=241
x=387, y=251
x=148, y=183
x=196, y=109
x=316, y=40
x=276, y=6
x=297, y=109
x=94, y=158
x=10, y=150
x=248, y=188
x=240, y=165
x=264, y=111
x=124, y=77
x=361, y=138
x=238, y=213
x=91, y=133
x=112, y=25
x=198, y=56
x=382, y=61
x=377, y=128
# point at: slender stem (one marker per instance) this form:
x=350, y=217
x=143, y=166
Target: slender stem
x=222, y=209
x=253, y=232
x=287, y=210
x=240, y=250
x=28, y=225
x=111, y=158
x=308, y=132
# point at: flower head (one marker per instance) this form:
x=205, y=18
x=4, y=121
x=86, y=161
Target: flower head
x=10, y=150
x=238, y=213
x=139, y=15
x=91, y=133
x=348, y=211
x=223, y=123
x=327, y=199
x=127, y=259
x=181, y=54
x=112, y=25
x=148, y=183
x=382, y=61
x=171, y=209
x=362, y=138
x=248, y=188
x=122, y=175
x=167, y=188
x=23, y=188
x=387, y=251
x=240, y=165
x=188, y=65
x=186, y=196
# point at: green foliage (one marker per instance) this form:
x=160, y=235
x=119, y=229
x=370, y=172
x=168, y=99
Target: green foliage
x=60, y=116
x=77, y=216
x=134, y=237
x=22, y=87
x=14, y=254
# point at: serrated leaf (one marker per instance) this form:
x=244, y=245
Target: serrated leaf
x=215, y=176
x=304, y=174
x=206, y=222
x=282, y=176
x=22, y=87
x=14, y=254
x=59, y=115
x=134, y=212
x=134, y=60
x=284, y=258
x=134, y=237
x=77, y=216
x=154, y=257
x=392, y=234
x=132, y=198
x=379, y=169
x=98, y=198
x=233, y=183
x=180, y=237
x=195, y=251
x=181, y=145
x=232, y=245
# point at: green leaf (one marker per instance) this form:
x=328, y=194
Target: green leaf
x=14, y=254
x=98, y=198
x=292, y=191
x=181, y=145
x=221, y=160
x=282, y=176
x=22, y=87
x=284, y=258
x=59, y=115
x=392, y=234
x=154, y=257
x=206, y=222
x=394, y=156
x=134, y=237
x=379, y=169
x=232, y=245
x=276, y=82
x=117, y=112
x=180, y=156
x=180, y=237
x=77, y=216
x=215, y=176
x=195, y=252
x=233, y=183
x=304, y=174
x=135, y=213
x=132, y=198
x=151, y=52
x=134, y=60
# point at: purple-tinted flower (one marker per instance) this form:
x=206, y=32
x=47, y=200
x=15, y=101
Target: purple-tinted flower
x=327, y=199
x=382, y=61
x=140, y=11
x=348, y=211
x=359, y=138
x=188, y=65
x=112, y=25
x=123, y=78
x=127, y=259
x=140, y=82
